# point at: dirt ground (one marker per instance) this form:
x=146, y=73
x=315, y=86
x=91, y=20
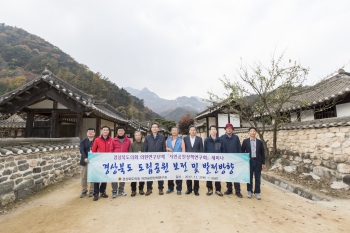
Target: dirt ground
x=59, y=209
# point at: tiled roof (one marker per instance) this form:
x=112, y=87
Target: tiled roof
x=13, y=121
x=100, y=107
x=313, y=124
x=332, y=88
x=34, y=145
x=137, y=125
x=200, y=122
x=326, y=90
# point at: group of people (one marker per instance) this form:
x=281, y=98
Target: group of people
x=155, y=142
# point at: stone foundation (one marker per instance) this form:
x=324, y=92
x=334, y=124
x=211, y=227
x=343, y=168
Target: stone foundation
x=324, y=151
x=23, y=174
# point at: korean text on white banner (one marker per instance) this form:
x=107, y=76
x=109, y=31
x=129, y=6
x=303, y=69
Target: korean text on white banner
x=135, y=167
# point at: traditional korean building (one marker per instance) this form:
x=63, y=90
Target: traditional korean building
x=327, y=99
x=52, y=108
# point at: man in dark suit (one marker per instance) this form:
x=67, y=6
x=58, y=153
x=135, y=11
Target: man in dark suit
x=193, y=143
x=256, y=151
x=232, y=145
x=154, y=142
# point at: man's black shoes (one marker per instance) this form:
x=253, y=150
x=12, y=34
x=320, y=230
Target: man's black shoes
x=239, y=195
x=104, y=195
x=188, y=192
x=228, y=192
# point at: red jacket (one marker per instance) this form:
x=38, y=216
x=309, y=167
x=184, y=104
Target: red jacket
x=116, y=146
x=102, y=145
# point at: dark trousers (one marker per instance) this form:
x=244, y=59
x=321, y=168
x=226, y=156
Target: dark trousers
x=133, y=186
x=160, y=184
x=100, y=187
x=195, y=187
x=255, y=168
x=237, y=186
x=217, y=185
x=178, y=185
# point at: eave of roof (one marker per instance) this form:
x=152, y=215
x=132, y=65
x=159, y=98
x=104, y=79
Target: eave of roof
x=70, y=91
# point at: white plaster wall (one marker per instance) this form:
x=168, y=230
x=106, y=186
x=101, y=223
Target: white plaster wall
x=89, y=123
x=212, y=121
x=235, y=120
x=60, y=106
x=343, y=109
x=221, y=132
x=223, y=120
x=293, y=117
x=42, y=104
x=307, y=115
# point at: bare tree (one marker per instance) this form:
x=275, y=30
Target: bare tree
x=258, y=93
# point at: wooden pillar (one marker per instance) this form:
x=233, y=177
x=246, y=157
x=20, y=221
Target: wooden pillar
x=79, y=126
x=54, y=132
x=98, y=126
x=29, y=125
x=54, y=128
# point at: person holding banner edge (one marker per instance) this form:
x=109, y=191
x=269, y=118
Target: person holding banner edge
x=137, y=146
x=101, y=144
x=121, y=143
x=154, y=142
x=232, y=145
x=85, y=147
x=256, y=151
x=192, y=143
x=174, y=144
x=214, y=144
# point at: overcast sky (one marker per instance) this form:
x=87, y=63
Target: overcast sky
x=177, y=48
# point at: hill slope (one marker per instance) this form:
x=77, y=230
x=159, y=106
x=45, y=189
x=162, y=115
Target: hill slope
x=177, y=113
x=24, y=55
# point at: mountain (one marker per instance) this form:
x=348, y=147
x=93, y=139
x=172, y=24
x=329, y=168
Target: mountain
x=177, y=113
x=169, y=109
x=23, y=57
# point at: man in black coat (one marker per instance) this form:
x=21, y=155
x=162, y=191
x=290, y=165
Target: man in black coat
x=85, y=148
x=256, y=151
x=193, y=143
x=232, y=145
x=154, y=142
x=213, y=144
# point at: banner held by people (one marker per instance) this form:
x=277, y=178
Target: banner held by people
x=129, y=167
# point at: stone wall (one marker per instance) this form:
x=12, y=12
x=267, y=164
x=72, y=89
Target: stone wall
x=324, y=151
x=26, y=173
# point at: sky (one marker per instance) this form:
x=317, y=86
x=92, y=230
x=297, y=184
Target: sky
x=182, y=48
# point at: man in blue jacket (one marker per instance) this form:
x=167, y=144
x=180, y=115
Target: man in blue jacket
x=232, y=145
x=214, y=144
x=174, y=144
x=85, y=148
x=154, y=142
x=256, y=151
